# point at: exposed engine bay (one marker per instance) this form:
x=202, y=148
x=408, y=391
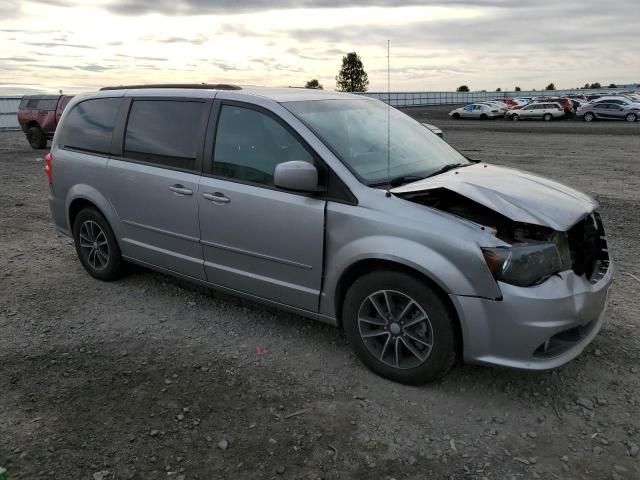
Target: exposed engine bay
x=583, y=248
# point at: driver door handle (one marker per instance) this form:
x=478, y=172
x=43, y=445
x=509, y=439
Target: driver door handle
x=180, y=190
x=216, y=197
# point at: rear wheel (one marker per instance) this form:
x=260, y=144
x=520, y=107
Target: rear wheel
x=96, y=245
x=631, y=117
x=399, y=327
x=547, y=117
x=36, y=137
x=589, y=117
x=483, y=116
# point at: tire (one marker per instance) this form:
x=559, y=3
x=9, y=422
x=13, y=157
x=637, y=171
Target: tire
x=36, y=137
x=589, y=117
x=416, y=363
x=456, y=116
x=515, y=117
x=483, y=116
x=101, y=260
x=547, y=117
x=631, y=117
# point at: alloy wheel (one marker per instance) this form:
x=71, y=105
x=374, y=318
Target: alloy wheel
x=395, y=329
x=632, y=117
x=94, y=245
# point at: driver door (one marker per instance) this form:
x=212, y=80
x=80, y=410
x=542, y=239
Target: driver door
x=257, y=239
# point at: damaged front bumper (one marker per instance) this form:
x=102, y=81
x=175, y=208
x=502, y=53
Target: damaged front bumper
x=534, y=328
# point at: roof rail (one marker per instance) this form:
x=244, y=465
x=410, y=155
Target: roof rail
x=203, y=86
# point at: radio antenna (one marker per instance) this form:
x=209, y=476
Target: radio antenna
x=388, y=194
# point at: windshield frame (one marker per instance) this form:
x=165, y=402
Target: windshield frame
x=373, y=183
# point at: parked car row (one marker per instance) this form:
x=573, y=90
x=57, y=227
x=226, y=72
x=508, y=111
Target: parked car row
x=587, y=107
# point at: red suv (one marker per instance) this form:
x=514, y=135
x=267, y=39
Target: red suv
x=38, y=115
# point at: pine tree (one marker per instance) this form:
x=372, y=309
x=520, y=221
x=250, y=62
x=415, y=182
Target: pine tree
x=352, y=77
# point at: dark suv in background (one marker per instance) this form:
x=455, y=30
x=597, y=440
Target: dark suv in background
x=38, y=115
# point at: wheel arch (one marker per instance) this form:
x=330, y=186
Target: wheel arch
x=81, y=196
x=360, y=267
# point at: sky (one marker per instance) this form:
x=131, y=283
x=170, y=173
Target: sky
x=73, y=46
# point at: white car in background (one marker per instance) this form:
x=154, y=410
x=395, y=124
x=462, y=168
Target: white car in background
x=537, y=111
x=494, y=103
x=476, y=110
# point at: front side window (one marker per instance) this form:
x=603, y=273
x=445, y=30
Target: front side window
x=165, y=132
x=89, y=125
x=249, y=144
x=356, y=130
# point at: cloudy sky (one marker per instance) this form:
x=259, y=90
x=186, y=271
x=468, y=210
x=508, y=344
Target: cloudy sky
x=435, y=44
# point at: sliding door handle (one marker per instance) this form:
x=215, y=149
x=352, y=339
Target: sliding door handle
x=216, y=197
x=180, y=190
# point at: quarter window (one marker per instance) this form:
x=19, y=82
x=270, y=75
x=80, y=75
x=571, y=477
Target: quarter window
x=89, y=125
x=165, y=132
x=249, y=145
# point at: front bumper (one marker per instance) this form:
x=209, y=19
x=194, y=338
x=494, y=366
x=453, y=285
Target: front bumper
x=534, y=328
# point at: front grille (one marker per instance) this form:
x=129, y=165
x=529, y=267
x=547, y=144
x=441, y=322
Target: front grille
x=563, y=341
x=588, y=247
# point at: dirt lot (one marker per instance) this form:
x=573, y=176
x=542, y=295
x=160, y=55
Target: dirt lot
x=150, y=378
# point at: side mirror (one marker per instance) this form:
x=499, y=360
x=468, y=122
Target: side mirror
x=297, y=176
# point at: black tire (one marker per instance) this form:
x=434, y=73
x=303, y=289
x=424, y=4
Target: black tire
x=440, y=322
x=95, y=264
x=631, y=117
x=589, y=117
x=456, y=116
x=483, y=116
x=36, y=137
x=547, y=117
x=515, y=117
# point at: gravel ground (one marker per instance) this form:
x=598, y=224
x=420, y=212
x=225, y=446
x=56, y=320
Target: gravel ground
x=149, y=377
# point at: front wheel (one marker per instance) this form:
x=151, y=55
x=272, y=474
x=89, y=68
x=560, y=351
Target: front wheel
x=96, y=245
x=399, y=327
x=631, y=117
x=515, y=117
x=456, y=116
x=589, y=117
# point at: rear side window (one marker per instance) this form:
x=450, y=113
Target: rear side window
x=89, y=125
x=165, y=132
x=249, y=145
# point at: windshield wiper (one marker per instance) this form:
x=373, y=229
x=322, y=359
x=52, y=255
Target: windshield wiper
x=447, y=167
x=400, y=180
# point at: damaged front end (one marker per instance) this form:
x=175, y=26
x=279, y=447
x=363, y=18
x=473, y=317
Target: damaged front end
x=531, y=253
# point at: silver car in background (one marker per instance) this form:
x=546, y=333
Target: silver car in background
x=338, y=208
x=537, y=111
x=609, y=110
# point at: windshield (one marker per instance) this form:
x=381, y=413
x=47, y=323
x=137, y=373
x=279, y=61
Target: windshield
x=356, y=130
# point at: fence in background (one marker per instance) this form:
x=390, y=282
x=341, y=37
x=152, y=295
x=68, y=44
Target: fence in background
x=416, y=99
x=9, y=112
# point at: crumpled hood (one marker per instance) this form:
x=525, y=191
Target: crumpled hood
x=520, y=196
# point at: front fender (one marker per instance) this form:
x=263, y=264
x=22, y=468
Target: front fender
x=444, y=272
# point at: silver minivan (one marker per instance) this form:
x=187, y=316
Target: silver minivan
x=339, y=208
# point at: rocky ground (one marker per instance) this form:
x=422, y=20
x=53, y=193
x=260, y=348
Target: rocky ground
x=150, y=378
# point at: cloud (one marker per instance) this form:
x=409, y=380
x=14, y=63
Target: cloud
x=18, y=59
x=93, y=68
x=201, y=7
x=197, y=40
x=153, y=59
x=58, y=44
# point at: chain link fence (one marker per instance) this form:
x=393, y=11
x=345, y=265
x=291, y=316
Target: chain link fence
x=417, y=99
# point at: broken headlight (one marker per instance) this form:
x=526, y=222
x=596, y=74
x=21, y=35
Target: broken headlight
x=529, y=264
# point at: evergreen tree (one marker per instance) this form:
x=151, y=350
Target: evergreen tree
x=352, y=77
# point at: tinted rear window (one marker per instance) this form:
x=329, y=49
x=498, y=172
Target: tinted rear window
x=41, y=103
x=89, y=125
x=165, y=132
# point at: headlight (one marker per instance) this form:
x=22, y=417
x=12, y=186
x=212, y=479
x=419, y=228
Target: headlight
x=528, y=264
